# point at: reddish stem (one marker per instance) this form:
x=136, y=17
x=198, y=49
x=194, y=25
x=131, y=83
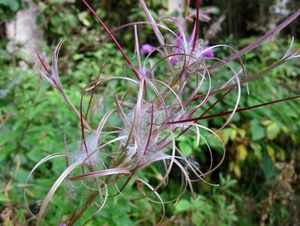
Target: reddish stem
x=114, y=40
x=196, y=34
x=42, y=62
x=229, y=112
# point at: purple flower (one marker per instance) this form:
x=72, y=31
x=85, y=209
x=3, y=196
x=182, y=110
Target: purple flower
x=174, y=60
x=201, y=50
x=179, y=40
x=147, y=48
x=208, y=53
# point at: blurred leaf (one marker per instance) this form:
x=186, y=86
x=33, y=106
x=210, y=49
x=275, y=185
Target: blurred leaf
x=271, y=152
x=233, y=167
x=257, y=150
x=56, y=20
x=281, y=154
x=5, y=152
x=185, y=148
x=242, y=133
x=273, y=130
x=20, y=175
x=237, y=171
x=228, y=133
x=257, y=131
x=268, y=167
x=3, y=197
x=12, y=4
x=241, y=152
x=83, y=17
x=183, y=205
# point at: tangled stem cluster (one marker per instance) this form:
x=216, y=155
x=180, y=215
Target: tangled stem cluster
x=166, y=98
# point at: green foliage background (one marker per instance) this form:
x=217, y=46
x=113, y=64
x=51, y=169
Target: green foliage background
x=259, y=180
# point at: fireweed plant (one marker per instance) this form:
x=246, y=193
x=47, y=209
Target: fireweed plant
x=171, y=88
